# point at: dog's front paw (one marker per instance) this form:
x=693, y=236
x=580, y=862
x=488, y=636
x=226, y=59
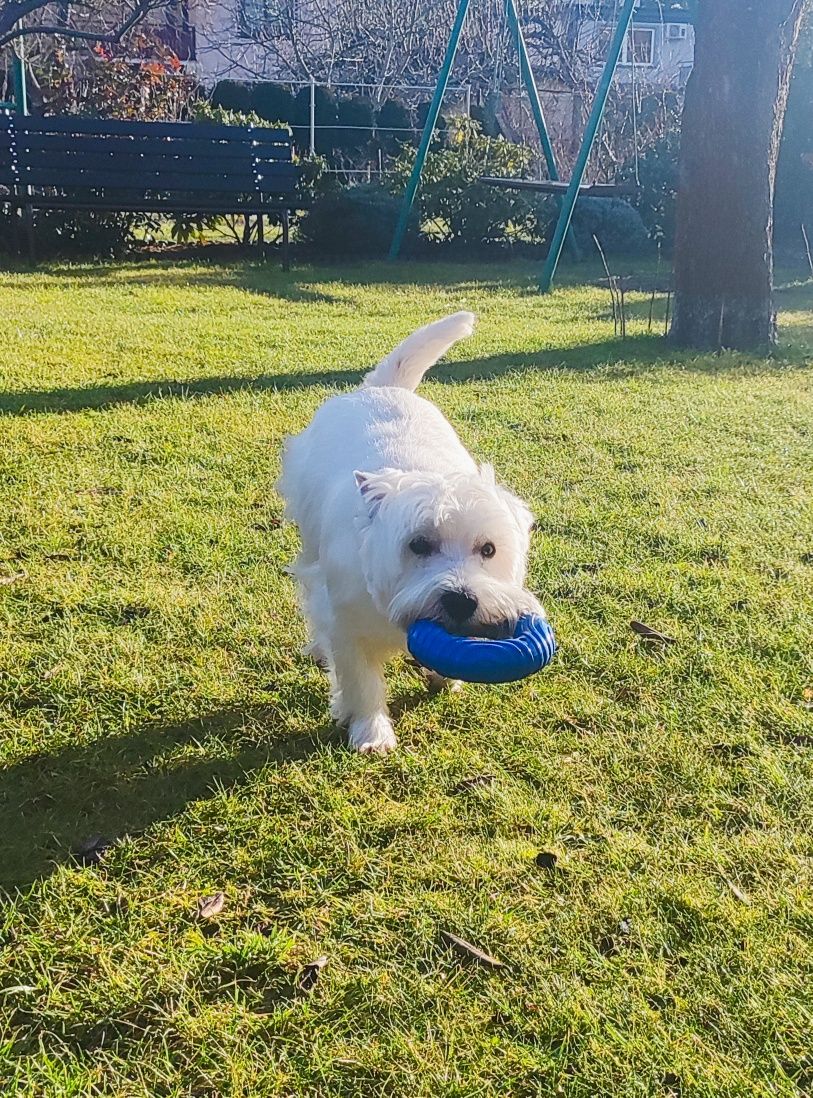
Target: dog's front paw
x=372, y=735
x=338, y=710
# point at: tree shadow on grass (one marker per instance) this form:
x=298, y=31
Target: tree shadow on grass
x=254, y=279
x=52, y=803
x=143, y=392
x=269, y=278
x=267, y=281
x=614, y=357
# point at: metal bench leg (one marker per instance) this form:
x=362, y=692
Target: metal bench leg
x=14, y=221
x=286, y=239
x=261, y=236
x=28, y=224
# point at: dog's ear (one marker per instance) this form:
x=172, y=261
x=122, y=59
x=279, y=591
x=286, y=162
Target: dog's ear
x=375, y=487
x=519, y=510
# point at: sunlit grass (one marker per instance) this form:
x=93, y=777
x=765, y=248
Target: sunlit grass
x=152, y=692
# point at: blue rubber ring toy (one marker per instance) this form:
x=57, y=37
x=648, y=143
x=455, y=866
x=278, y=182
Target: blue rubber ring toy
x=476, y=659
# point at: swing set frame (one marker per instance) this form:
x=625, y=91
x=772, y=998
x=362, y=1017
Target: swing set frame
x=571, y=190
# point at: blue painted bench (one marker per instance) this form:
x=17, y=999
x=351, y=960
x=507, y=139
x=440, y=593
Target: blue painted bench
x=188, y=168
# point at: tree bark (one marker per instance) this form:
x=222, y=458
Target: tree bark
x=732, y=127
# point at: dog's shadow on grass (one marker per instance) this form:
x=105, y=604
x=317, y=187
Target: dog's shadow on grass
x=119, y=786
x=113, y=787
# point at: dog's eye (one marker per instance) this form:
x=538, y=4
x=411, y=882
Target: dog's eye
x=487, y=550
x=421, y=547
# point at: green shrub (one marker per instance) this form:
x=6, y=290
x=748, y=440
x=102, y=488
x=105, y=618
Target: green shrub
x=441, y=125
x=455, y=207
x=657, y=188
x=394, y=123
x=205, y=111
x=616, y=224
x=73, y=234
x=325, y=118
x=272, y=102
x=232, y=95
x=355, y=222
x=357, y=113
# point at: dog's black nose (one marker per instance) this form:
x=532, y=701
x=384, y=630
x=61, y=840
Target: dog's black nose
x=458, y=605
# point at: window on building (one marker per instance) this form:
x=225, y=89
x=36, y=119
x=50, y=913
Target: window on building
x=266, y=18
x=639, y=46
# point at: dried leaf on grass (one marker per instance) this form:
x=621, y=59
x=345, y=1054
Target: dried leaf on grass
x=738, y=893
x=476, y=781
x=648, y=633
x=466, y=949
x=209, y=906
x=14, y=577
x=310, y=974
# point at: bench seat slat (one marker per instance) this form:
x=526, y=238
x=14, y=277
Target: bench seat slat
x=228, y=205
x=96, y=126
x=128, y=181
x=75, y=159
x=157, y=181
x=152, y=146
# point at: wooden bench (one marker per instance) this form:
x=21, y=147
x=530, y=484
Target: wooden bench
x=187, y=168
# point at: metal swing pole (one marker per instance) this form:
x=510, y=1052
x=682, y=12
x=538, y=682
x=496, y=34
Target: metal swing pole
x=593, y=123
x=428, y=130
x=527, y=77
x=528, y=80
x=18, y=75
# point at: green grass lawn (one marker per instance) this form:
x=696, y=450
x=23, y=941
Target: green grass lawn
x=152, y=692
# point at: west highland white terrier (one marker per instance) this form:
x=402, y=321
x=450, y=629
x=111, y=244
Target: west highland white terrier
x=397, y=523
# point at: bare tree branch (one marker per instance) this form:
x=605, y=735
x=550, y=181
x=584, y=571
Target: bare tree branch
x=93, y=22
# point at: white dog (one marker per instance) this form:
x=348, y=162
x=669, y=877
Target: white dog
x=397, y=523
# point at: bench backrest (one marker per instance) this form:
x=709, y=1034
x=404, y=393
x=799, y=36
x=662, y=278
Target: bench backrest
x=8, y=177
x=142, y=159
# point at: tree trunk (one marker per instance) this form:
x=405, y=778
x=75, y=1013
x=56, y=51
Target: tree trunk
x=732, y=126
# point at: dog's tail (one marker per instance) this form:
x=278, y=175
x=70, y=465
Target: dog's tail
x=404, y=367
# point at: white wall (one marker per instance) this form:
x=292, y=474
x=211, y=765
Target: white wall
x=221, y=50
x=672, y=58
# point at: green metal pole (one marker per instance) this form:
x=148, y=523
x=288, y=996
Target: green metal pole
x=527, y=77
x=596, y=115
x=533, y=92
x=18, y=73
x=428, y=130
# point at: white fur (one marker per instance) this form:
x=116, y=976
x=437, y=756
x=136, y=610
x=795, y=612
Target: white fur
x=375, y=469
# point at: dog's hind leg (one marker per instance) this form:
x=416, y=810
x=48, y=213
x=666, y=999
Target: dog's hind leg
x=315, y=606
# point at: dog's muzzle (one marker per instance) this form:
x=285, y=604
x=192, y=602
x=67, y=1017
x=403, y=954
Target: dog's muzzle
x=458, y=615
x=458, y=606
